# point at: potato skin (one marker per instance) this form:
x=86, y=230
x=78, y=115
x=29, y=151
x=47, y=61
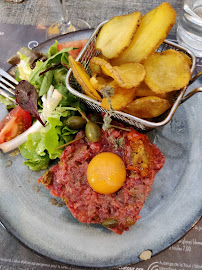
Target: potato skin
x=116, y=35
x=147, y=107
x=83, y=79
x=128, y=75
x=119, y=100
x=153, y=30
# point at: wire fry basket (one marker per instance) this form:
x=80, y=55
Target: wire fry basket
x=89, y=51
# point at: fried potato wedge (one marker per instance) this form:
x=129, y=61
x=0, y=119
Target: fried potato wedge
x=83, y=79
x=147, y=107
x=144, y=91
x=167, y=71
x=108, y=71
x=187, y=58
x=132, y=74
x=128, y=75
x=119, y=100
x=99, y=82
x=96, y=69
x=153, y=29
x=117, y=34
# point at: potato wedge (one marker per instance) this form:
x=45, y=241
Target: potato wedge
x=108, y=71
x=99, y=82
x=96, y=69
x=187, y=58
x=147, y=107
x=132, y=74
x=117, y=34
x=119, y=100
x=128, y=75
x=83, y=79
x=167, y=71
x=153, y=29
x=144, y=91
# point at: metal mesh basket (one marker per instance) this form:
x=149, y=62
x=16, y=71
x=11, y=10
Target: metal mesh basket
x=89, y=51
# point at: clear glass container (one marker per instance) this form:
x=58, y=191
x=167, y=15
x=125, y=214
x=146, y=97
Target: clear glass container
x=65, y=24
x=189, y=30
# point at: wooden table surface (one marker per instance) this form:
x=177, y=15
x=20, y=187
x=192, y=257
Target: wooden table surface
x=45, y=12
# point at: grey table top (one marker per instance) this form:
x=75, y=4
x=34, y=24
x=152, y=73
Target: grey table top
x=45, y=12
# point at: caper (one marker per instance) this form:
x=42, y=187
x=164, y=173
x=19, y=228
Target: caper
x=96, y=118
x=110, y=222
x=76, y=122
x=93, y=132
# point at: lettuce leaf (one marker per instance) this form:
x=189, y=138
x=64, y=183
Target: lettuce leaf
x=41, y=146
x=36, y=79
x=68, y=99
x=24, y=67
x=5, y=100
x=35, y=153
x=36, y=143
x=53, y=49
x=46, y=83
x=34, y=161
x=52, y=139
x=17, y=74
x=60, y=74
x=54, y=59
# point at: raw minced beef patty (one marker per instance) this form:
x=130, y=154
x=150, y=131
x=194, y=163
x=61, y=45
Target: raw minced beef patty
x=117, y=211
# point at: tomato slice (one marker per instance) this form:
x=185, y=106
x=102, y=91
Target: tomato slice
x=75, y=44
x=14, y=123
x=139, y=153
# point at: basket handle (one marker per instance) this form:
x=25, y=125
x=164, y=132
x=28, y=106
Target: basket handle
x=195, y=77
x=194, y=91
x=190, y=94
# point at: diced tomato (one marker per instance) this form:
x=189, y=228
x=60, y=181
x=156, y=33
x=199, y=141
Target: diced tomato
x=139, y=153
x=75, y=44
x=135, y=136
x=14, y=123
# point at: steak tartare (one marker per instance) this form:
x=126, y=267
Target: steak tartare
x=119, y=210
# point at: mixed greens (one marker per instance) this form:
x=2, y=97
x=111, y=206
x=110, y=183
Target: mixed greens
x=42, y=92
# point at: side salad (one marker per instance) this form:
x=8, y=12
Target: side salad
x=37, y=124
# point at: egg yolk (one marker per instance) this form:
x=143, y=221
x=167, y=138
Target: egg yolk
x=106, y=173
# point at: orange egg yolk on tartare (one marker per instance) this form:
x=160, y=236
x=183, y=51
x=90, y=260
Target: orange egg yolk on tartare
x=106, y=173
